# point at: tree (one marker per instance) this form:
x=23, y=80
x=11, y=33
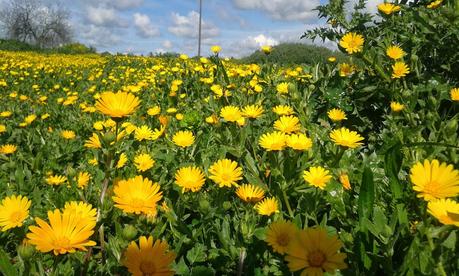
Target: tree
x=33, y=22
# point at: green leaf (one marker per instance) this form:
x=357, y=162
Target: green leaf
x=366, y=197
x=6, y=267
x=392, y=163
x=196, y=254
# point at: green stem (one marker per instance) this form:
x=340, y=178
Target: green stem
x=338, y=156
x=287, y=203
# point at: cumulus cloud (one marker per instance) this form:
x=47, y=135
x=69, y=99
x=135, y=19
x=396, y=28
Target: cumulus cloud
x=187, y=26
x=104, y=16
x=167, y=44
x=144, y=26
x=126, y=4
x=282, y=9
x=99, y=36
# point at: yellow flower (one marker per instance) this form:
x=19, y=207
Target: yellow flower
x=395, y=52
x=68, y=134
x=433, y=180
x=153, y=111
x=65, y=233
x=352, y=43
x=388, y=8
x=454, y=93
x=117, y=105
x=56, y=179
x=83, y=179
x=13, y=211
x=317, y=177
x=215, y=49
x=2, y=128
x=314, y=252
x=82, y=209
x=445, y=210
x=137, y=195
x=273, y=141
x=396, y=106
x=99, y=125
x=121, y=161
x=93, y=162
x=266, y=49
x=282, y=88
x=344, y=180
x=143, y=162
x=399, y=70
x=183, y=138
x=280, y=234
x=287, y=124
x=267, y=207
x=143, y=133
x=230, y=113
x=190, y=178
x=346, y=138
x=336, y=115
x=299, y=141
x=149, y=258
x=345, y=69
x=171, y=110
x=29, y=119
x=283, y=110
x=225, y=173
x=250, y=193
x=93, y=142
x=331, y=59
x=212, y=119
x=179, y=116
x=8, y=149
x=434, y=4
x=252, y=111
x=6, y=114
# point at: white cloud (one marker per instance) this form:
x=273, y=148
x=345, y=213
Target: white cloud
x=167, y=44
x=282, y=9
x=104, y=16
x=188, y=26
x=99, y=36
x=127, y=4
x=144, y=26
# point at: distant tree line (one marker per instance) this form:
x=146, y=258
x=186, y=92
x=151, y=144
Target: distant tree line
x=33, y=22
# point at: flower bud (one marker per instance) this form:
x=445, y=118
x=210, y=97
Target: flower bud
x=25, y=251
x=129, y=232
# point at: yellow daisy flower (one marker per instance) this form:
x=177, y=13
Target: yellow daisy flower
x=336, y=115
x=230, y=113
x=287, y=124
x=299, y=141
x=395, y=52
x=225, y=173
x=143, y=162
x=434, y=180
x=65, y=233
x=83, y=179
x=283, y=110
x=454, y=93
x=121, y=161
x=137, y=195
x=148, y=258
x=396, y=106
x=13, y=211
x=352, y=43
x=388, y=8
x=252, y=111
x=399, y=70
x=280, y=234
x=315, y=252
x=117, y=105
x=93, y=142
x=273, y=141
x=250, y=193
x=267, y=206
x=445, y=210
x=190, y=178
x=56, y=179
x=82, y=209
x=68, y=134
x=183, y=138
x=282, y=88
x=8, y=149
x=346, y=138
x=317, y=177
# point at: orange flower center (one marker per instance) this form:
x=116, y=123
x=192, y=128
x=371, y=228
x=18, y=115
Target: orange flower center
x=316, y=259
x=16, y=217
x=283, y=239
x=62, y=244
x=431, y=188
x=137, y=203
x=147, y=268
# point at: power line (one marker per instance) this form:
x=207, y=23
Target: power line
x=200, y=19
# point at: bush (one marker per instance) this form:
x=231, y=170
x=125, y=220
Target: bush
x=293, y=53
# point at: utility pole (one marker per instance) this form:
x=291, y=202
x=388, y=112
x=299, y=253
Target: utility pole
x=199, y=36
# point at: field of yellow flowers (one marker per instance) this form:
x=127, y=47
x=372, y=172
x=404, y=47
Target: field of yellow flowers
x=112, y=165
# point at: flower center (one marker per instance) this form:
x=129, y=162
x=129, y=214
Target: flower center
x=137, y=203
x=283, y=239
x=62, y=243
x=316, y=258
x=226, y=177
x=16, y=217
x=147, y=268
x=431, y=188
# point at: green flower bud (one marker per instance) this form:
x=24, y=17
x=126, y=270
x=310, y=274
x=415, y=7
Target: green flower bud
x=129, y=232
x=204, y=205
x=25, y=251
x=109, y=137
x=226, y=205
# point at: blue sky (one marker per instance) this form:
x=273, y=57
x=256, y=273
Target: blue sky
x=144, y=26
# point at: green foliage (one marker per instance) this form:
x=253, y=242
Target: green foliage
x=293, y=53
x=72, y=48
